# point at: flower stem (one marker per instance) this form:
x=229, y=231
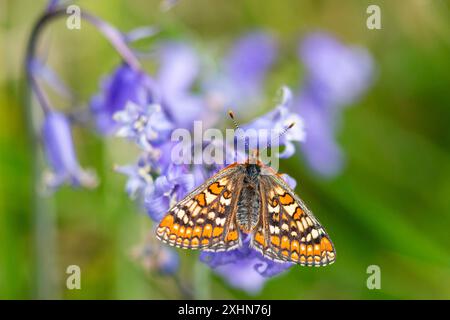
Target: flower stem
x=44, y=218
x=201, y=281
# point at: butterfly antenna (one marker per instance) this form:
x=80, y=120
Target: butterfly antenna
x=279, y=135
x=231, y=114
x=236, y=126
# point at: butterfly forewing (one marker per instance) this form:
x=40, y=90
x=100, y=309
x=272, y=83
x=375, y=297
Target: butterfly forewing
x=288, y=231
x=205, y=218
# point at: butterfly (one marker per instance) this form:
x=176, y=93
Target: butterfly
x=248, y=198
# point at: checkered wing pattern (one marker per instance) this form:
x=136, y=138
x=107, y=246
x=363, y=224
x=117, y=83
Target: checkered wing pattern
x=288, y=231
x=205, y=218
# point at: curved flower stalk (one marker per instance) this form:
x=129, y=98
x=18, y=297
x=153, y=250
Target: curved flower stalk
x=57, y=138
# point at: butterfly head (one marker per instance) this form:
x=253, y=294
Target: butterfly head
x=254, y=155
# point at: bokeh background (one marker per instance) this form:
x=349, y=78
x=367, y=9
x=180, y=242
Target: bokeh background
x=388, y=207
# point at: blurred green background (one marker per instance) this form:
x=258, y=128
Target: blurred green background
x=389, y=207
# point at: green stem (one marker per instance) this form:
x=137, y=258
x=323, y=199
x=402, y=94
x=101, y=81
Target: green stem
x=44, y=217
x=201, y=281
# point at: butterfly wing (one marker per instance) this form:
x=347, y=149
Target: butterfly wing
x=288, y=230
x=204, y=219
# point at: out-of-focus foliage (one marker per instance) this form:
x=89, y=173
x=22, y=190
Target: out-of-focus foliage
x=389, y=206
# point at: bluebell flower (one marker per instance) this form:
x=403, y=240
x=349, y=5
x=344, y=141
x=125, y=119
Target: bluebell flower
x=170, y=188
x=125, y=85
x=146, y=125
x=60, y=153
x=336, y=76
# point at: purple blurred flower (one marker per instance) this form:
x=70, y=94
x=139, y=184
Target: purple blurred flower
x=336, y=76
x=321, y=149
x=146, y=125
x=179, y=69
x=168, y=261
x=243, y=268
x=123, y=86
x=243, y=72
x=60, y=153
x=170, y=187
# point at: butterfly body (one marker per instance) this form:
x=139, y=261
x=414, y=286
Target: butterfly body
x=249, y=203
x=248, y=198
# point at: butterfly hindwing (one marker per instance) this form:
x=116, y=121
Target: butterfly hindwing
x=204, y=218
x=288, y=231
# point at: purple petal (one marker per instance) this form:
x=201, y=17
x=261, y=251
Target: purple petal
x=243, y=276
x=185, y=185
x=123, y=86
x=157, y=206
x=289, y=180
